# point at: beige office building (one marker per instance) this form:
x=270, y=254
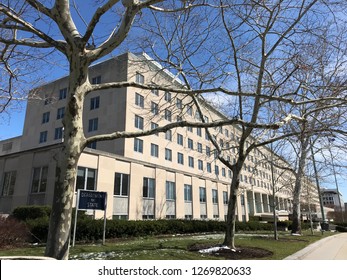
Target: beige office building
x=169, y=175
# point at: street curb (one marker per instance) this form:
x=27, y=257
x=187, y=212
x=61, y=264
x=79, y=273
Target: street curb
x=303, y=252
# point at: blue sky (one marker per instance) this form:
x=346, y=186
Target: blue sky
x=12, y=125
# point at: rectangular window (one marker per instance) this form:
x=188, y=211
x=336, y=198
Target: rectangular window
x=179, y=103
x=154, y=108
x=168, y=135
x=202, y=194
x=225, y=198
x=190, y=144
x=93, y=125
x=168, y=115
x=189, y=110
x=168, y=154
x=45, y=117
x=208, y=151
x=170, y=190
x=198, y=131
x=154, y=150
x=7, y=146
x=138, y=122
x=180, y=139
x=216, y=169
x=86, y=178
x=39, y=181
x=199, y=147
x=148, y=217
x=190, y=129
x=8, y=183
x=62, y=93
x=200, y=164
x=43, y=137
x=187, y=193
x=140, y=79
x=139, y=100
x=60, y=113
x=206, y=136
x=58, y=133
x=223, y=172
x=96, y=80
x=155, y=92
x=221, y=143
x=92, y=145
x=191, y=161
x=94, y=102
x=180, y=158
x=208, y=167
x=148, y=187
x=121, y=184
x=197, y=115
x=138, y=145
x=154, y=126
x=167, y=96
x=214, y=196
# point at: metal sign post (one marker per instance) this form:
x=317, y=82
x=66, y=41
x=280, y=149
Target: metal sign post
x=90, y=200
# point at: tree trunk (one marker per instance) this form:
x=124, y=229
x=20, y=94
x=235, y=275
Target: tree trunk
x=296, y=226
x=74, y=141
x=229, y=238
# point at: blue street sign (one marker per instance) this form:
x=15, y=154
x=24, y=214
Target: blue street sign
x=92, y=200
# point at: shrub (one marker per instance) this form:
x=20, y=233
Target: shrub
x=38, y=229
x=341, y=229
x=24, y=213
x=13, y=233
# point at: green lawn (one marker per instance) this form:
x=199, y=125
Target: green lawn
x=175, y=247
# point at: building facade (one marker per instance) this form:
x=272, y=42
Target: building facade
x=175, y=174
x=332, y=198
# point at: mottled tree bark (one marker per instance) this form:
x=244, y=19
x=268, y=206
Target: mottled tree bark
x=296, y=226
x=66, y=169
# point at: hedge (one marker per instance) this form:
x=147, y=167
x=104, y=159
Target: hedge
x=25, y=213
x=92, y=230
x=37, y=219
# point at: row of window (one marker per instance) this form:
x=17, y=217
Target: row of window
x=138, y=147
x=58, y=134
x=64, y=91
x=93, y=125
x=94, y=104
x=122, y=183
x=38, y=183
x=86, y=180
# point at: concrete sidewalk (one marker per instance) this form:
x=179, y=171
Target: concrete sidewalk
x=329, y=248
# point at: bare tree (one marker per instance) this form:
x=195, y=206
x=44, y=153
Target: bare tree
x=251, y=50
x=251, y=64
x=32, y=31
x=35, y=28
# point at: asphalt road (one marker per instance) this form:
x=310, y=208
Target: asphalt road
x=329, y=248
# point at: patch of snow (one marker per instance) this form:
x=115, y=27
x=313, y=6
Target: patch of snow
x=214, y=249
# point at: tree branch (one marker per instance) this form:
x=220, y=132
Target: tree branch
x=126, y=134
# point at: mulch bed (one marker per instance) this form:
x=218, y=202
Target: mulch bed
x=241, y=253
